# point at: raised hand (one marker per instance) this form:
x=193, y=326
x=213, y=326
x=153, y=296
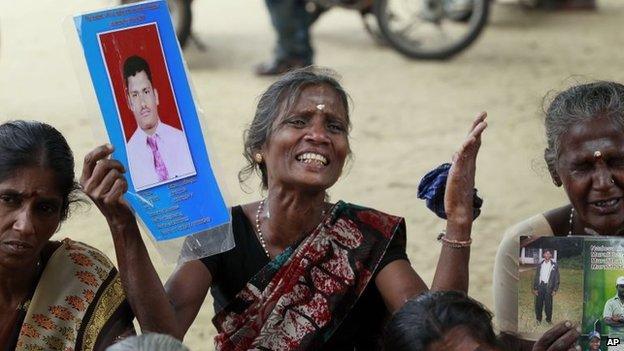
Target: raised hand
x=452, y=269
x=103, y=181
x=458, y=199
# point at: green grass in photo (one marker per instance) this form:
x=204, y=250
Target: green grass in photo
x=567, y=303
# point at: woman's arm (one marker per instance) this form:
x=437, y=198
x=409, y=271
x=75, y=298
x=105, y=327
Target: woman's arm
x=169, y=312
x=397, y=282
x=452, y=269
x=116, y=330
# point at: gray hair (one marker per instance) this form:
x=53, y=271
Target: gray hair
x=280, y=97
x=149, y=342
x=578, y=104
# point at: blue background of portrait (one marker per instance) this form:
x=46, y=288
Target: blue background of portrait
x=157, y=206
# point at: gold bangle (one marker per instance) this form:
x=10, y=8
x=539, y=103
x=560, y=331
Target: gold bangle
x=456, y=244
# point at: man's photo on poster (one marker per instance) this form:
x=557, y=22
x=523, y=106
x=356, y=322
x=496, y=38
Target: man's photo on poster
x=551, y=281
x=143, y=93
x=156, y=145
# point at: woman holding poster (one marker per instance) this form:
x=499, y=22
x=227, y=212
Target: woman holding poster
x=585, y=155
x=306, y=274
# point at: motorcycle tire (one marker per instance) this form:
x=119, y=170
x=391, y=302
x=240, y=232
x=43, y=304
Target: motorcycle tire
x=181, y=15
x=477, y=20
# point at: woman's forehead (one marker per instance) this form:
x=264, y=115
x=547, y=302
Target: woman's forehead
x=311, y=96
x=587, y=132
x=32, y=181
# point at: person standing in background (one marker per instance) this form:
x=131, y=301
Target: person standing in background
x=293, y=50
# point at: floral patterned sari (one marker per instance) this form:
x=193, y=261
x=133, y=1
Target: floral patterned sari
x=77, y=301
x=300, y=298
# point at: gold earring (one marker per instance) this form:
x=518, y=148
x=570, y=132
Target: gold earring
x=258, y=157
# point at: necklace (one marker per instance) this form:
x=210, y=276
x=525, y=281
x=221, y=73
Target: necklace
x=571, y=218
x=586, y=230
x=259, y=228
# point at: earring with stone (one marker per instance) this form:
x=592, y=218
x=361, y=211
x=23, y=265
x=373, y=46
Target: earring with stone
x=258, y=158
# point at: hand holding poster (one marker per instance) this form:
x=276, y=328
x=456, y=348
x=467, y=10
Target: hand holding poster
x=146, y=102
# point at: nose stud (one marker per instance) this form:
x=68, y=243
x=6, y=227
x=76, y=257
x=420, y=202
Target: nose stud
x=320, y=107
x=597, y=154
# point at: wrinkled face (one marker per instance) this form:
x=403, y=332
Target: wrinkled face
x=594, y=344
x=143, y=101
x=30, y=212
x=547, y=255
x=593, y=184
x=309, y=143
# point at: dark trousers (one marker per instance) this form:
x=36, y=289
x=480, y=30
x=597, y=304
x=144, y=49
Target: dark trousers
x=292, y=25
x=543, y=300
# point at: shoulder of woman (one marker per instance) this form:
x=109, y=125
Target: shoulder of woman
x=83, y=254
x=360, y=208
x=248, y=209
x=380, y=221
x=559, y=219
x=534, y=225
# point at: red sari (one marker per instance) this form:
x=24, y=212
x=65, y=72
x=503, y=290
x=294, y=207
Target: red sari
x=300, y=298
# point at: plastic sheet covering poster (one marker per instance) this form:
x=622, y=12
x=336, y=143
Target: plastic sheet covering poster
x=142, y=89
x=580, y=279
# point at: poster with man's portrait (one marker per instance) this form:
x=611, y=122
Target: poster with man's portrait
x=156, y=145
x=551, y=274
x=142, y=89
x=575, y=278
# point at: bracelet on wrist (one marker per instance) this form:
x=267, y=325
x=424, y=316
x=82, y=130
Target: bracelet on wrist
x=456, y=244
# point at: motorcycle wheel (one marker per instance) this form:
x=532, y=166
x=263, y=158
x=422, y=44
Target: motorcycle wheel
x=430, y=29
x=372, y=28
x=181, y=16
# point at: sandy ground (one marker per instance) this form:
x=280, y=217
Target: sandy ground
x=408, y=116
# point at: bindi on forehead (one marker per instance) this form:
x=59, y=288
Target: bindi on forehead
x=597, y=148
x=584, y=140
x=332, y=107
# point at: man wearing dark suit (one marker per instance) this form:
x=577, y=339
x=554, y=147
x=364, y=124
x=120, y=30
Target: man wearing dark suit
x=545, y=286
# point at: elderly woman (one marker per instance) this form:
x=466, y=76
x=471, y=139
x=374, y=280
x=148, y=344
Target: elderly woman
x=585, y=155
x=53, y=295
x=305, y=274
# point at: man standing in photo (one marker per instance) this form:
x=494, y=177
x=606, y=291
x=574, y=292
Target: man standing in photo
x=157, y=152
x=545, y=286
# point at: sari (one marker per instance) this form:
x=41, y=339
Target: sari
x=300, y=298
x=77, y=301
